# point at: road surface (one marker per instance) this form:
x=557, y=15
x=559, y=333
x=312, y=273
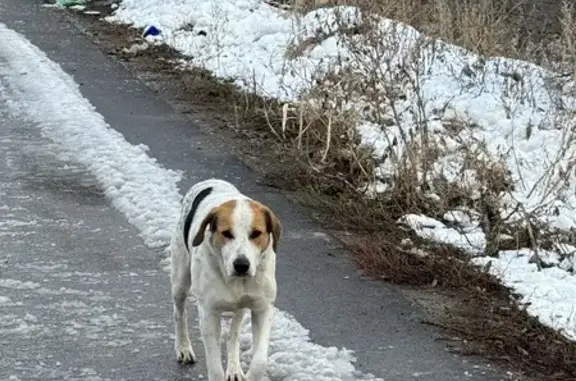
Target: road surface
x=84, y=218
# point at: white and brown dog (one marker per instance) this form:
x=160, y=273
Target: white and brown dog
x=224, y=251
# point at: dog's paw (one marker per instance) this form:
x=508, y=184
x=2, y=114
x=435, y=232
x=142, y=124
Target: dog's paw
x=257, y=378
x=234, y=373
x=256, y=374
x=185, y=354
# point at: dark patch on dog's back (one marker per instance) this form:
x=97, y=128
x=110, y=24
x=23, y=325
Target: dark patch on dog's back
x=188, y=222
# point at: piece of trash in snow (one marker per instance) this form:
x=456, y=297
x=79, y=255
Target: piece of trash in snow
x=135, y=48
x=77, y=7
x=91, y=12
x=70, y=3
x=151, y=30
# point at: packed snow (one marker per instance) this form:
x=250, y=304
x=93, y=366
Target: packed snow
x=41, y=92
x=18, y=284
x=516, y=111
x=548, y=293
x=136, y=185
x=429, y=228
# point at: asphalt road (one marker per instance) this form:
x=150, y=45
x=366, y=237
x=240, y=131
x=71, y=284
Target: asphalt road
x=81, y=297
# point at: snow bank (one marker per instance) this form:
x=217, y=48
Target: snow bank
x=549, y=293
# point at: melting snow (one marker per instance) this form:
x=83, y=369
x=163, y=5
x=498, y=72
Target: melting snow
x=19, y=285
x=548, y=293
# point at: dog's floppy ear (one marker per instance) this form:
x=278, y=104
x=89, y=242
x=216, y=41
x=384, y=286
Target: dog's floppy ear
x=211, y=219
x=274, y=227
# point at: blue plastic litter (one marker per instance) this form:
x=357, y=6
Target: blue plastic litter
x=151, y=30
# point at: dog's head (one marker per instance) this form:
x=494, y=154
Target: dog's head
x=241, y=232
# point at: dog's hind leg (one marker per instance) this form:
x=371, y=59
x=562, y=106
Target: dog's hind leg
x=180, y=278
x=234, y=370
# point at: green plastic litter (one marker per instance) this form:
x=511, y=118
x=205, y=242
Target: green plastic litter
x=70, y=3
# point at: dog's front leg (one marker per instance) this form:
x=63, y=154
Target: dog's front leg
x=234, y=370
x=261, y=327
x=210, y=329
x=180, y=280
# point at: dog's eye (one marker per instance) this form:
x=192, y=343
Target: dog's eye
x=255, y=234
x=227, y=234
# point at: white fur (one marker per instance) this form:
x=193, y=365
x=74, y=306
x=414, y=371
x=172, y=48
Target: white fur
x=207, y=274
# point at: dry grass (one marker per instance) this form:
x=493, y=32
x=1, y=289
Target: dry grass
x=371, y=75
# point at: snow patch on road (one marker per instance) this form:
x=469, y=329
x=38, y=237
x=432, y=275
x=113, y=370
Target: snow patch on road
x=136, y=184
x=15, y=284
x=22, y=325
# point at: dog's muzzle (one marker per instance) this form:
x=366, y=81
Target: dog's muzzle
x=241, y=266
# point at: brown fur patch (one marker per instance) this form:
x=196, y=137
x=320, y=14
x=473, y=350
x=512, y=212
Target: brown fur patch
x=266, y=222
x=220, y=220
x=223, y=223
x=259, y=224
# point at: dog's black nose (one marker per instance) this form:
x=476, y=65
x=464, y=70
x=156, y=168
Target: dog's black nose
x=241, y=265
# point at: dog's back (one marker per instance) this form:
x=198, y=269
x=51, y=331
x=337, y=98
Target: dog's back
x=212, y=187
